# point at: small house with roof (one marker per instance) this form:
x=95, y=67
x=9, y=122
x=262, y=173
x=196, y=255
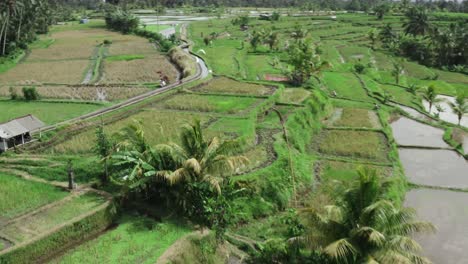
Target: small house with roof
x=18, y=131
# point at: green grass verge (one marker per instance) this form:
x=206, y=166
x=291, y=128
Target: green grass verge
x=18, y=196
x=48, y=112
x=125, y=57
x=136, y=239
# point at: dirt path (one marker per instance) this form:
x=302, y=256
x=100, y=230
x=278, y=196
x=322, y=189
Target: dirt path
x=175, y=249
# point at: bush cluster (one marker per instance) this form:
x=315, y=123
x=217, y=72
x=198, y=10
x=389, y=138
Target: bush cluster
x=29, y=94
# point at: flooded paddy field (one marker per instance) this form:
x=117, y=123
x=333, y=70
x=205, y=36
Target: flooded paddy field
x=408, y=132
x=448, y=211
x=438, y=168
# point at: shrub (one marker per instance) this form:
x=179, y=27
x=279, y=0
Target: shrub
x=30, y=93
x=359, y=68
x=107, y=42
x=13, y=94
x=183, y=60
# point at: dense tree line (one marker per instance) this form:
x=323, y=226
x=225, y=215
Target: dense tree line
x=207, y=5
x=427, y=43
x=20, y=20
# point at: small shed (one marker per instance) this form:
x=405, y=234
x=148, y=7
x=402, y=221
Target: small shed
x=17, y=132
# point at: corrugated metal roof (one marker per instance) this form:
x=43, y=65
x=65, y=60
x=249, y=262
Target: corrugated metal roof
x=30, y=122
x=19, y=126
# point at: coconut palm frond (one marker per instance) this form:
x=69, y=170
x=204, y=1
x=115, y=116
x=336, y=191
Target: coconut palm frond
x=379, y=212
x=341, y=250
x=391, y=256
x=193, y=165
x=419, y=260
x=215, y=182
x=177, y=176
x=410, y=228
x=370, y=235
x=370, y=260
x=403, y=243
x=332, y=213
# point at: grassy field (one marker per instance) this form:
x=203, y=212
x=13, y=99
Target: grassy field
x=164, y=127
x=48, y=112
x=346, y=171
x=37, y=224
x=345, y=85
x=229, y=86
x=18, y=196
x=355, y=117
x=208, y=103
x=136, y=239
x=364, y=144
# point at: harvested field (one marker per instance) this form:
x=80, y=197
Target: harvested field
x=86, y=93
x=230, y=86
x=365, y=144
x=207, y=103
x=147, y=70
x=61, y=50
x=131, y=45
x=159, y=127
x=294, y=95
x=61, y=72
x=18, y=196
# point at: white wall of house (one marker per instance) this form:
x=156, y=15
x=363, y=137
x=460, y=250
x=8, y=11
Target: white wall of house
x=3, y=144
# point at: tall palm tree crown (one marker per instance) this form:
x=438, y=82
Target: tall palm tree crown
x=364, y=227
x=204, y=160
x=430, y=95
x=459, y=107
x=418, y=22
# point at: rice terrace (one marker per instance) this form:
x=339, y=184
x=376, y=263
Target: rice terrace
x=233, y=131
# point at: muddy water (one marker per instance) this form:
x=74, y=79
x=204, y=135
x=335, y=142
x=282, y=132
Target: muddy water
x=408, y=132
x=412, y=112
x=448, y=211
x=442, y=168
x=447, y=115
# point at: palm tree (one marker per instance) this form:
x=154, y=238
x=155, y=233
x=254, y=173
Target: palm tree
x=387, y=35
x=459, y=107
x=397, y=72
x=418, y=22
x=372, y=35
x=272, y=39
x=299, y=32
x=203, y=160
x=364, y=227
x=429, y=94
x=136, y=161
x=381, y=10
x=413, y=89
